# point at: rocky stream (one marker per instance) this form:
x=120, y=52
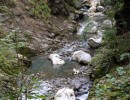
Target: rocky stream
x=66, y=70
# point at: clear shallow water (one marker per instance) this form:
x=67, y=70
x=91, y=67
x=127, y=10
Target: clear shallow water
x=57, y=77
x=45, y=66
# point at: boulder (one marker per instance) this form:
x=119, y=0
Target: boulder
x=21, y=57
x=65, y=94
x=94, y=2
x=100, y=9
x=56, y=60
x=97, y=14
x=107, y=23
x=95, y=41
x=92, y=9
x=91, y=27
x=81, y=56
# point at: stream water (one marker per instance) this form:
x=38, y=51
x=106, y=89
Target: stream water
x=52, y=78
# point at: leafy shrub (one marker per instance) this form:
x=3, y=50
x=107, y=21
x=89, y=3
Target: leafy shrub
x=102, y=61
x=125, y=56
x=120, y=71
x=110, y=37
x=39, y=9
x=113, y=86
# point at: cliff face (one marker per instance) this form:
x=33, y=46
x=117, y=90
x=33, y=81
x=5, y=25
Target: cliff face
x=30, y=17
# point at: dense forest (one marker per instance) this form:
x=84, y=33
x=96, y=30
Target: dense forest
x=64, y=50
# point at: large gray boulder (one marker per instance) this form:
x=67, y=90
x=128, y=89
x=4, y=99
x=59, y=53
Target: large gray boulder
x=65, y=94
x=94, y=2
x=81, y=57
x=92, y=9
x=56, y=59
x=100, y=9
x=95, y=41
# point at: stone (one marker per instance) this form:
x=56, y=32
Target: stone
x=97, y=14
x=65, y=94
x=76, y=71
x=76, y=83
x=56, y=60
x=100, y=9
x=95, y=41
x=81, y=57
x=92, y=9
x=107, y=23
x=94, y=2
x=91, y=27
x=21, y=57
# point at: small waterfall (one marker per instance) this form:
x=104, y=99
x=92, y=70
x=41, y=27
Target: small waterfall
x=81, y=29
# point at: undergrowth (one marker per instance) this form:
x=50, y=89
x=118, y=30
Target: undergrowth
x=39, y=9
x=113, y=86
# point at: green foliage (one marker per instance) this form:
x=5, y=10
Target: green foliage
x=89, y=25
x=9, y=3
x=29, y=87
x=2, y=33
x=87, y=31
x=3, y=9
x=9, y=63
x=39, y=9
x=102, y=61
x=123, y=43
x=116, y=5
x=104, y=55
x=5, y=5
x=110, y=37
x=120, y=71
x=113, y=86
x=125, y=56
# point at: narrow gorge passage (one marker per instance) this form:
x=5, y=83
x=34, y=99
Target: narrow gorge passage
x=64, y=50
x=72, y=74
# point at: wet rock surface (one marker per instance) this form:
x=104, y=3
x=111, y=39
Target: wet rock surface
x=67, y=50
x=80, y=84
x=81, y=57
